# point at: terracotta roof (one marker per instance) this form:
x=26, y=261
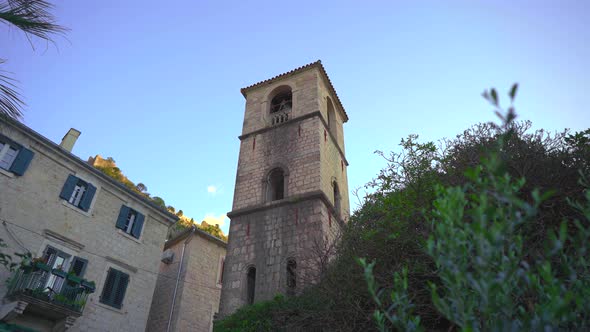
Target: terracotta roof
x=317, y=64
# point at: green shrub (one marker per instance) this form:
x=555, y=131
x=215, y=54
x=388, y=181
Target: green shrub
x=488, y=281
x=416, y=198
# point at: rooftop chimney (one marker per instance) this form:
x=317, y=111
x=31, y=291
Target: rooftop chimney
x=69, y=139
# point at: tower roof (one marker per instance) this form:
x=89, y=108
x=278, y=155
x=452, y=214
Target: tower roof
x=317, y=64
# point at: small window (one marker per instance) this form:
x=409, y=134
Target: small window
x=58, y=260
x=78, y=192
x=13, y=156
x=114, y=288
x=221, y=267
x=130, y=221
x=251, y=285
x=78, y=266
x=336, y=199
x=283, y=101
x=7, y=156
x=291, y=277
x=276, y=185
x=331, y=117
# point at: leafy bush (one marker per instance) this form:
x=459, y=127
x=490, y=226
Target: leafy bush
x=488, y=280
x=427, y=181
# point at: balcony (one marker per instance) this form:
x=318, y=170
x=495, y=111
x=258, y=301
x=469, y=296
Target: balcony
x=49, y=294
x=280, y=117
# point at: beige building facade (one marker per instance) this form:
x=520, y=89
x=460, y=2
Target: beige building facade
x=291, y=192
x=189, y=286
x=96, y=245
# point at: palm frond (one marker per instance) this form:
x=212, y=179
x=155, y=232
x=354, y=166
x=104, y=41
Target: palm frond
x=32, y=17
x=10, y=100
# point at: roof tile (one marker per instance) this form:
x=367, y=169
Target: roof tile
x=317, y=64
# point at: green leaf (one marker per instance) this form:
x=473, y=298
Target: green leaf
x=512, y=92
x=494, y=96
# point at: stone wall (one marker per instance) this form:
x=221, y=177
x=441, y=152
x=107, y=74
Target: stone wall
x=31, y=211
x=303, y=225
x=199, y=289
x=293, y=147
x=266, y=240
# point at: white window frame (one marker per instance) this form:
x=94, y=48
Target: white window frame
x=130, y=221
x=6, y=147
x=77, y=194
x=51, y=281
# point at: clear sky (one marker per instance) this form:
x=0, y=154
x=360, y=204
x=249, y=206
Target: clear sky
x=155, y=85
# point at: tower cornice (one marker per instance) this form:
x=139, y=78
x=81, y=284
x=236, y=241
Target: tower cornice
x=295, y=120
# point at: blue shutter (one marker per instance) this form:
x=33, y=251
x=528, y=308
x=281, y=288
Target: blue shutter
x=119, y=291
x=122, y=219
x=22, y=161
x=137, y=225
x=78, y=266
x=66, y=191
x=109, y=285
x=88, y=195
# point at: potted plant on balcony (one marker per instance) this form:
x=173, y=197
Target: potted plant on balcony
x=39, y=264
x=74, y=278
x=26, y=266
x=59, y=272
x=89, y=285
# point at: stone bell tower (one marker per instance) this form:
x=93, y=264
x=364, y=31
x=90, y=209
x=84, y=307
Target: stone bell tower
x=291, y=193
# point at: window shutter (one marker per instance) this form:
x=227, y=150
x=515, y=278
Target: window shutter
x=21, y=162
x=50, y=255
x=10, y=142
x=87, y=198
x=119, y=293
x=138, y=225
x=122, y=220
x=79, y=266
x=107, y=290
x=68, y=188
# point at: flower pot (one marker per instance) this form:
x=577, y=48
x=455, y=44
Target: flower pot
x=26, y=268
x=60, y=273
x=89, y=285
x=42, y=266
x=74, y=278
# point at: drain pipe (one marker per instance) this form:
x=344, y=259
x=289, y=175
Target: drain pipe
x=178, y=277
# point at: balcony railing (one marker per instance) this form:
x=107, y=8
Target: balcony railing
x=280, y=117
x=51, y=287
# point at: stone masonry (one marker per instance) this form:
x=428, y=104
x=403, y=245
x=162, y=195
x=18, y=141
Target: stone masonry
x=34, y=216
x=309, y=148
x=199, y=284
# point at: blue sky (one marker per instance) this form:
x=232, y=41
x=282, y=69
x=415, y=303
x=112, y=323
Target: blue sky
x=155, y=85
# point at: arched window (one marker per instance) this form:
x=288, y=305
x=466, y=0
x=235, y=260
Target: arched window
x=251, y=284
x=291, y=276
x=276, y=185
x=336, y=199
x=282, y=101
x=331, y=117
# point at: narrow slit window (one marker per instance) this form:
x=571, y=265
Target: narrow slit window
x=276, y=185
x=251, y=285
x=291, y=277
x=336, y=199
